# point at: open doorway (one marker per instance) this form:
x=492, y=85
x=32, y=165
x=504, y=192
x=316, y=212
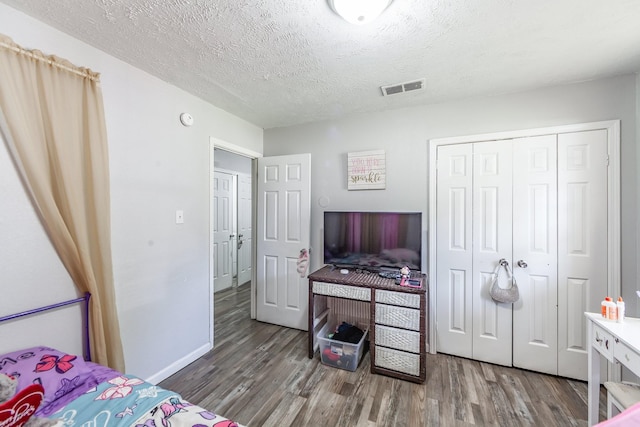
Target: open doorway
x=232, y=226
x=229, y=158
x=278, y=291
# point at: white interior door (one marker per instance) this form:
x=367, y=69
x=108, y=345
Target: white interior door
x=582, y=242
x=535, y=254
x=283, y=229
x=222, y=230
x=245, y=240
x=492, y=241
x=454, y=317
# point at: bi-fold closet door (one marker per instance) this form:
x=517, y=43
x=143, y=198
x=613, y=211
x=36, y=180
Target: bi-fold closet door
x=540, y=203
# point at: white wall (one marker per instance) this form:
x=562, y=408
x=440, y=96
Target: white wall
x=161, y=269
x=404, y=135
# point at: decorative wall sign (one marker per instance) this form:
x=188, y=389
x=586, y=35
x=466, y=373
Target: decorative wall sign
x=366, y=170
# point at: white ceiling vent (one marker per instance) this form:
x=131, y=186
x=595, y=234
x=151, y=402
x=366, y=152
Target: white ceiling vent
x=403, y=87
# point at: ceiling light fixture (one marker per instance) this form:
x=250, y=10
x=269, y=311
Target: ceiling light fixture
x=359, y=11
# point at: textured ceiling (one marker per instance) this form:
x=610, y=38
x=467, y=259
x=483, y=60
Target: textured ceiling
x=283, y=62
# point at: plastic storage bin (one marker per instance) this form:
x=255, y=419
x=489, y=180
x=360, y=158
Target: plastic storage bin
x=340, y=354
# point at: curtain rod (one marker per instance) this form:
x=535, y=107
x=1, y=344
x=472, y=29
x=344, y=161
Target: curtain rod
x=82, y=72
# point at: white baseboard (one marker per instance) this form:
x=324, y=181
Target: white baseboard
x=179, y=364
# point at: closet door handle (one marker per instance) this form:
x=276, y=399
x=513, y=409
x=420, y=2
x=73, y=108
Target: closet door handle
x=521, y=264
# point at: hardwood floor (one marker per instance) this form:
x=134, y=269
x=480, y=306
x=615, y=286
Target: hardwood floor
x=259, y=375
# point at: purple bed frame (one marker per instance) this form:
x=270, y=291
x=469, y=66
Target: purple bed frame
x=85, y=299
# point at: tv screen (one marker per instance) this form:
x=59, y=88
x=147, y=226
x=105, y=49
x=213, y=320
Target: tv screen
x=373, y=240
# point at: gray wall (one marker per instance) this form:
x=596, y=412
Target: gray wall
x=404, y=135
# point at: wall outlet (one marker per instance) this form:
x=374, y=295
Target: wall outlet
x=179, y=217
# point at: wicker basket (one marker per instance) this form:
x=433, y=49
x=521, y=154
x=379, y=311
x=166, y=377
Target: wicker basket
x=406, y=318
x=398, y=298
x=395, y=360
x=342, y=291
x=398, y=338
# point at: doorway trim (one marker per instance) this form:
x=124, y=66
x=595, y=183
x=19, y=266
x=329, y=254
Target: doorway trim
x=613, y=195
x=253, y=155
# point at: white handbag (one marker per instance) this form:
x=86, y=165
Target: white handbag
x=506, y=295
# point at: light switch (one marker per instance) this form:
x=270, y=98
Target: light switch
x=179, y=217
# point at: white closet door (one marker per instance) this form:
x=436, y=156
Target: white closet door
x=550, y=192
x=535, y=315
x=582, y=242
x=492, y=222
x=454, y=318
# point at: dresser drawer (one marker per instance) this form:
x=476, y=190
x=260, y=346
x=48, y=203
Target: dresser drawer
x=603, y=342
x=400, y=339
x=342, y=291
x=398, y=298
x=400, y=361
x=625, y=355
x=401, y=317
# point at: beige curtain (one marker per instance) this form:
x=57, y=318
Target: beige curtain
x=52, y=118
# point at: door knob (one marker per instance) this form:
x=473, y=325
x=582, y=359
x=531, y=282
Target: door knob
x=231, y=236
x=521, y=264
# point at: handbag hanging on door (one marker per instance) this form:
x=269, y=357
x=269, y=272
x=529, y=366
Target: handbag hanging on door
x=506, y=295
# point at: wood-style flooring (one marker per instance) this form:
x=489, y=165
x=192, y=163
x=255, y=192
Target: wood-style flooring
x=259, y=375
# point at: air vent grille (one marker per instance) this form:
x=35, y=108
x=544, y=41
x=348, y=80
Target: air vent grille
x=403, y=87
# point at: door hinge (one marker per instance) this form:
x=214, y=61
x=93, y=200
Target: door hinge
x=607, y=160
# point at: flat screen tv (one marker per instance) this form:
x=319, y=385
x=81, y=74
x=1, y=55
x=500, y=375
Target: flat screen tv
x=373, y=240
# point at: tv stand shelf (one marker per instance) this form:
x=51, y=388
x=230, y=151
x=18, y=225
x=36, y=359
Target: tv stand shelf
x=396, y=316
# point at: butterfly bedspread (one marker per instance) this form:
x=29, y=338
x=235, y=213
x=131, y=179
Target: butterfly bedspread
x=127, y=401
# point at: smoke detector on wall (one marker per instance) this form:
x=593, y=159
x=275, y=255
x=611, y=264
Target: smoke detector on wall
x=403, y=87
x=186, y=119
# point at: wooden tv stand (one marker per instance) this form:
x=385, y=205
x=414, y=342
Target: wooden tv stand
x=396, y=316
